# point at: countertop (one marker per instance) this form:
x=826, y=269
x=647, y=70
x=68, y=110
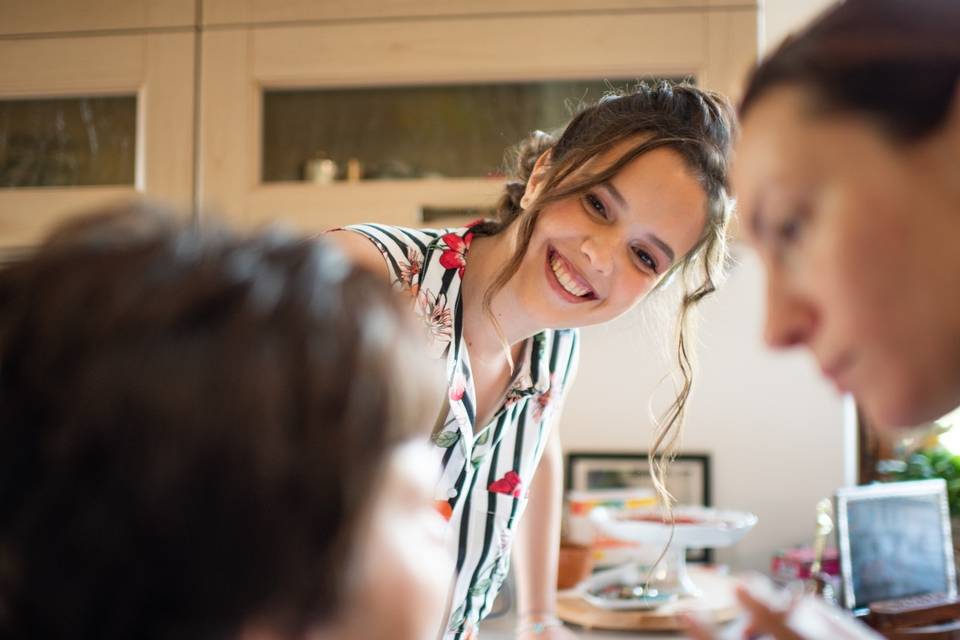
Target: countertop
x=502, y=629
x=717, y=591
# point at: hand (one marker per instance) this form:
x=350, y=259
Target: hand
x=762, y=621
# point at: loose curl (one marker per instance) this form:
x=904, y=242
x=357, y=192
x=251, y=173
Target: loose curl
x=697, y=124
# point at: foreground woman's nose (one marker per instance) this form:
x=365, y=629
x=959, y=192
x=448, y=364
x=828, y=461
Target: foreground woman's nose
x=791, y=320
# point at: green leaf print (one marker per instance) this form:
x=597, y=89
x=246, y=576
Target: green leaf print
x=457, y=619
x=484, y=437
x=446, y=439
x=481, y=587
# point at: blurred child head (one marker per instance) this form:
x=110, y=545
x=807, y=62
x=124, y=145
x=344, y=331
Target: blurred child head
x=204, y=436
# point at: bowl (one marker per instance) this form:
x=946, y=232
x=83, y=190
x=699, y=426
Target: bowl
x=694, y=527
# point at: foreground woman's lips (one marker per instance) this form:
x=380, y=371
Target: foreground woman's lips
x=836, y=371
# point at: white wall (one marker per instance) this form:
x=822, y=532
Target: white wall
x=773, y=428
x=780, y=17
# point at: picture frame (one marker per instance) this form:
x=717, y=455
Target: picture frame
x=688, y=478
x=895, y=541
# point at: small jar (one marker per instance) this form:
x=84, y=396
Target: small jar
x=320, y=170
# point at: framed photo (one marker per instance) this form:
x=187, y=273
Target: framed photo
x=688, y=478
x=894, y=541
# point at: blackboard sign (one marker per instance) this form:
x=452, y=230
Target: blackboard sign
x=894, y=541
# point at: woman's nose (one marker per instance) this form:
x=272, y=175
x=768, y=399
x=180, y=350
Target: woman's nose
x=598, y=252
x=791, y=318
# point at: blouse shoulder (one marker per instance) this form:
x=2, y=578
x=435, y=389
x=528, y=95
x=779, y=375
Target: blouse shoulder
x=404, y=249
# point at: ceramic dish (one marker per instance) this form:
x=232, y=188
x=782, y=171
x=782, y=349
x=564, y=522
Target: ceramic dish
x=695, y=527
x=631, y=576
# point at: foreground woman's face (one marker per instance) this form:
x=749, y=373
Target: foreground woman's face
x=859, y=237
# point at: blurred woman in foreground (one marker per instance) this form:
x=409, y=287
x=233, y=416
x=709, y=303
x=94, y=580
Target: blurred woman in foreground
x=848, y=180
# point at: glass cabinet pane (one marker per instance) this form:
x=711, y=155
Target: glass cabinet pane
x=68, y=141
x=451, y=131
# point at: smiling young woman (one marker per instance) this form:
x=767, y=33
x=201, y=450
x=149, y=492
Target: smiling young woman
x=632, y=192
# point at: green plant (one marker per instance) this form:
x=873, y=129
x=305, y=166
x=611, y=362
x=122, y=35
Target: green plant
x=933, y=462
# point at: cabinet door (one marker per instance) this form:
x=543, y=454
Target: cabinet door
x=86, y=88
x=713, y=45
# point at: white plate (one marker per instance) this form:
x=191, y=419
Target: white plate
x=713, y=527
x=625, y=574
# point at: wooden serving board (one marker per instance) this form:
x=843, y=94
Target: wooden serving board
x=717, y=602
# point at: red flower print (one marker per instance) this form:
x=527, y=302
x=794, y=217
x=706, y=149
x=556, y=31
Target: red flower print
x=458, y=388
x=444, y=509
x=543, y=401
x=510, y=484
x=455, y=256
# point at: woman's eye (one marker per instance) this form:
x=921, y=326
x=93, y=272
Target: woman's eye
x=789, y=230
x=646, y=259
x=595, y=205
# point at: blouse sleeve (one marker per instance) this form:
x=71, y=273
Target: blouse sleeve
x=404, y=251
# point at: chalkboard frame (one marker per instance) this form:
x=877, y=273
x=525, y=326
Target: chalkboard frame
x=881, y=491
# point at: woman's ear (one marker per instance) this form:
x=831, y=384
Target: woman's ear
x=536, y=180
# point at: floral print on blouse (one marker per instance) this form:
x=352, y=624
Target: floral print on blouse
x=485, y=471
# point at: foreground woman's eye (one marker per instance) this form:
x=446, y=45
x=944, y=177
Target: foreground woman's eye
x=595, y=205
x=788, y=230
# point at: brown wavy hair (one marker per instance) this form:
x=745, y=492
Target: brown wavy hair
x=192, y=428
x=696, y=123
x=895, y=62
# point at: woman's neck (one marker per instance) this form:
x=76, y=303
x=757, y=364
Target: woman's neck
x=487, y=256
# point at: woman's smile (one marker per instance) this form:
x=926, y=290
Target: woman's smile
x=566, y=280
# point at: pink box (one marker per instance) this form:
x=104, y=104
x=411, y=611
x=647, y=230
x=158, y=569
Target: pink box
x=794, y=564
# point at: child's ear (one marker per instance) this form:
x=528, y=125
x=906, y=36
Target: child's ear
x=536, y=181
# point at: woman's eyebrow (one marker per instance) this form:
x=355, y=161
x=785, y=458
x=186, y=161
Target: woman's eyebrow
x=615, y=194
x=663, y=246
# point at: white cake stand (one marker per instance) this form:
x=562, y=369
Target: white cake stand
x=696, y=527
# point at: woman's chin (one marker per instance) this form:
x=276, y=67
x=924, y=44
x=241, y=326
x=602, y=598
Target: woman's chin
x=905, y=407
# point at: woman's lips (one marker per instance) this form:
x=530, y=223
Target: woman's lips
x=838, y=373
x=570, y=272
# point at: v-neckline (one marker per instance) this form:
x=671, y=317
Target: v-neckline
x=521, y=364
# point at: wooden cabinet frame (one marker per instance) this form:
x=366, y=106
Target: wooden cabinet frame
x=157, y=67
x=715, y=44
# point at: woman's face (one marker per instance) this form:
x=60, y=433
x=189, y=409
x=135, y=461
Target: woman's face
x=403, y=562
x=859, y=237
x=594, y=256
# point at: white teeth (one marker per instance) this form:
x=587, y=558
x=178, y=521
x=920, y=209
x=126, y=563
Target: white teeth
x=566, y=278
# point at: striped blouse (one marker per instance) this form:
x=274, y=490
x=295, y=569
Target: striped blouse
x=485, y=471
